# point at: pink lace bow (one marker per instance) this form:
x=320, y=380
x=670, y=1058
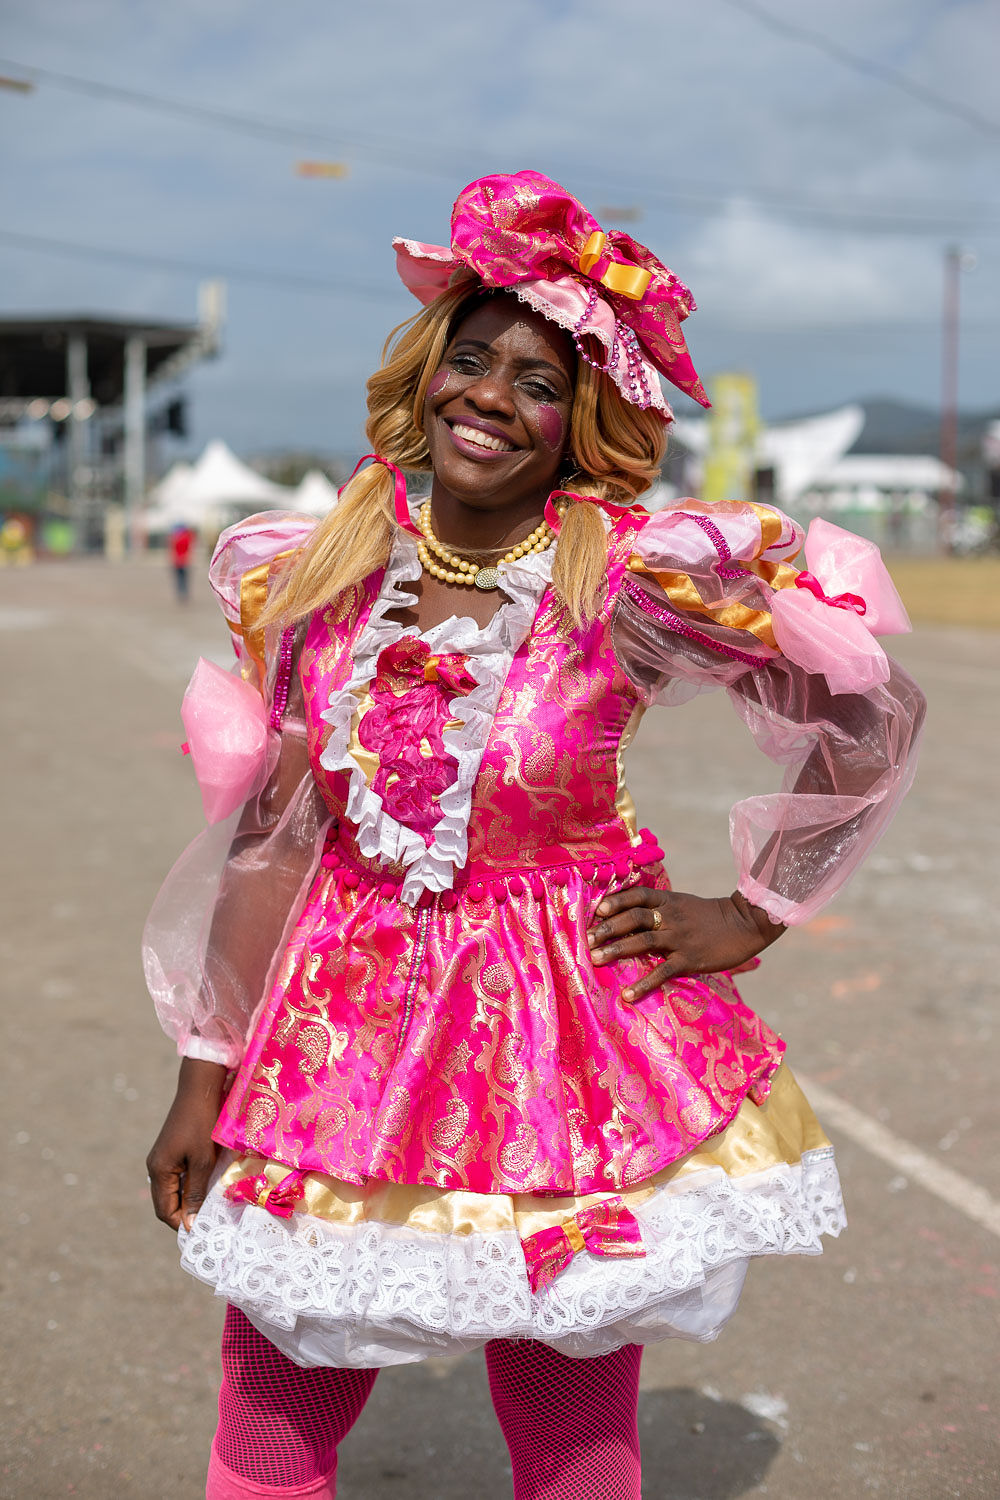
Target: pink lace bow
x=226, y=724
x=280, y=1198
x=606, y=1229
x=828, y=622
x=525, y=231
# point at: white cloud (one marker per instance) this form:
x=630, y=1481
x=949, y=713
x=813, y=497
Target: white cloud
x=633, y=105
x=758, y=271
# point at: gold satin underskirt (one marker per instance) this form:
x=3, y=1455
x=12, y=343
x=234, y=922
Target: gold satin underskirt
x=776, y=1132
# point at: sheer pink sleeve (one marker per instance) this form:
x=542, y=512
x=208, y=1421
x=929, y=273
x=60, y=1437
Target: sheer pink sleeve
x=691, y=617
x=228, y=906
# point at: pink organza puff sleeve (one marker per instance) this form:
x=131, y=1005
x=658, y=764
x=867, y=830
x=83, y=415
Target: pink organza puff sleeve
x=697, y=611
x=256, y=542
x=228, y=905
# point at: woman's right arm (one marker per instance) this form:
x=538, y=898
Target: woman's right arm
x=183, y=1155
x=267, y=872
x=226, y=909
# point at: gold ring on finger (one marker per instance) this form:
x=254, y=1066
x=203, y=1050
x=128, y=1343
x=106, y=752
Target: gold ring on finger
x=657, y=919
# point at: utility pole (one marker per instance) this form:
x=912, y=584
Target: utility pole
x=135, y=431
x=956, y=260
x=78, y=395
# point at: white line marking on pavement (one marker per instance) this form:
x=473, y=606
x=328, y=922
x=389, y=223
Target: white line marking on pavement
x=951, y=1187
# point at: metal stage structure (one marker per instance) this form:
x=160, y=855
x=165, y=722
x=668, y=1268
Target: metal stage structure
x=87, y=371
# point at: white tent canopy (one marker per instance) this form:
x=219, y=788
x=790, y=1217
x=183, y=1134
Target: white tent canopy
x=314, y=495
x=166, y=507
x=889, y=472
x=216, y=489
x=797, y=451
x=220, y=480
x=169, y=493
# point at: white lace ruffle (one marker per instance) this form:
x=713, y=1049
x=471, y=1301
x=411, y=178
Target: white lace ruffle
x=490, y=649
x=377, y=1294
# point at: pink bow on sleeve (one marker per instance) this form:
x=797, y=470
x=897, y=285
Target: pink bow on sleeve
x=226, y=724
x=280, y=1198
x=828, y=622
x=606, y=1229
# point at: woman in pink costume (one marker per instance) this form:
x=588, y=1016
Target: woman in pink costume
x=460, y=1069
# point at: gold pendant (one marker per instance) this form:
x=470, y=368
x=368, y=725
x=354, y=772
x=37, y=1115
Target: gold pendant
x=487, y=578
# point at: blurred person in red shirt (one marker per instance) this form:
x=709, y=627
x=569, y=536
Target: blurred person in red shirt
x=181, y=542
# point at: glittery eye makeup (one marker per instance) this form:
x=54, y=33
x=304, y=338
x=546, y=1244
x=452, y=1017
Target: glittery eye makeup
x=551, y=425
x=438, y=382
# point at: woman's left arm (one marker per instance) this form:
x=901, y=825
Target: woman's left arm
x=849, y=760
x=849, y=756
x=695, y=934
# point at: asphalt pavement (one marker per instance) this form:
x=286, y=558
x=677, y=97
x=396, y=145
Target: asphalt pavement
x=869, y=1371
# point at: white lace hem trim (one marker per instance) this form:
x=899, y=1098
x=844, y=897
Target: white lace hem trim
x=490, y=650
x=374, y=1293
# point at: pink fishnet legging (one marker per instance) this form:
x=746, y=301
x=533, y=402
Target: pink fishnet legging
x=279, y=1424
x=570, y=1424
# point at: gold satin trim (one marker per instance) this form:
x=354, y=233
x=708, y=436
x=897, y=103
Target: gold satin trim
x=780, y=575
x=627, y=280
x=366, y=760
x=574, y=1235
x=760, y=1136
x=253, y=597
x=770, y=525
x=683, y=594
x=624, y=805
x=592, y=251
x=777, y=575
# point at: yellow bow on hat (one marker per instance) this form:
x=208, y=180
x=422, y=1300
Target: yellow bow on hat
x=627, y=281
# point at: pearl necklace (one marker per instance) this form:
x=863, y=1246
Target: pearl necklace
x=455, y=569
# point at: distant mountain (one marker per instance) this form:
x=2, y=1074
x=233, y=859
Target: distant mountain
x=901, y=427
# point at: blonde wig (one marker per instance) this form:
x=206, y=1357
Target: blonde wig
x=615, y=450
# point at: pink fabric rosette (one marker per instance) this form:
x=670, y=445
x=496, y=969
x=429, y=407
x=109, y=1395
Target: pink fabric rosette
x=411, y=696
x=226, y=724
x=526, y=232
x=828, y=622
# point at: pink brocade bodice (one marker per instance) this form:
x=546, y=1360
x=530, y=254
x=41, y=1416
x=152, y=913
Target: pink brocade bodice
x=548, y=784
x=465, y=1039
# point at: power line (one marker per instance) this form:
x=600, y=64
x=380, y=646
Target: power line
x=812, y=212
x=867, y=66
x=344, y=288
x=697, y=199
x=290, y=279
x=286, y=131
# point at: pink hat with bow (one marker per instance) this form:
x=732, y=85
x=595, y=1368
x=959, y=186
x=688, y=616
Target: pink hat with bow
x=525, y=232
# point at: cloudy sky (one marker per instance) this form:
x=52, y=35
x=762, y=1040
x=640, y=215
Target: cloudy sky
x=805, y=198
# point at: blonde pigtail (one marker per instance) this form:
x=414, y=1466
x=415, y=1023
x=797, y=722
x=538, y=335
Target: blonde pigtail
x=348, y=544
x=581, y=562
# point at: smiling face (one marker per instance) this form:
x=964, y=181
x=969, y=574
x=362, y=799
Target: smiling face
x=496, y=414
